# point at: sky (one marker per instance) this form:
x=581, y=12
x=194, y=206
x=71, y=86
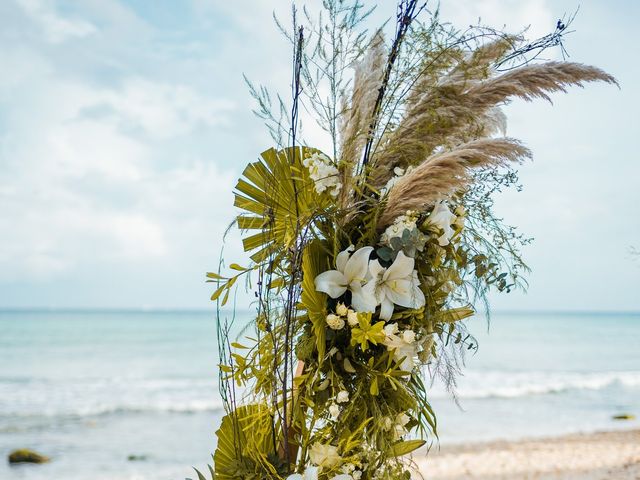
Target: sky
x=124, y=125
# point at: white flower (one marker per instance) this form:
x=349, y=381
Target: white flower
x=324, y=455
x=357, y=475
x=352, y=272
x=399, y=225
x=400, y=427
x=442, y=218
x=461, y=213
x=404, y=346
x=348, y=467
x=402, y=419
x=352, y=318
x=310, y=473
x=409, y=336
x=335, y=322
x=334, y=411
x=399, y=173
x=341, y=309
x=387, y=423
x=342, y=397
x=324, y=174
x=390, y=329
x=397, y=285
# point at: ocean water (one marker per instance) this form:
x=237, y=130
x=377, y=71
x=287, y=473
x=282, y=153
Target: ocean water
x=90, y=389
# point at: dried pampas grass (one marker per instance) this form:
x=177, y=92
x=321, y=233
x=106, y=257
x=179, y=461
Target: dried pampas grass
x=356, y=120
x=445, y=173
x=461, y=108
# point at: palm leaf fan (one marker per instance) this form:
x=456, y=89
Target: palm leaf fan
x=279, y=200
x=245, y=440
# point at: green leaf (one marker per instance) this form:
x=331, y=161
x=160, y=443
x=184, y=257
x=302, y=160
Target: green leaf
x=279, y=198
x=453, y=315
x=200, y=476
x=314, y=262
x=215, y=276
x=218, y=292
x=405, y=447
x=245, y=433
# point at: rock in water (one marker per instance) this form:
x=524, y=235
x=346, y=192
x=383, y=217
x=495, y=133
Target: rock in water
x=25, y=455
x=137, y=458
x=624, y=416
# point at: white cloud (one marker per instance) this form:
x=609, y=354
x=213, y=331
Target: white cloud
x=120, y=143
x=515, y=15
x=56, y=28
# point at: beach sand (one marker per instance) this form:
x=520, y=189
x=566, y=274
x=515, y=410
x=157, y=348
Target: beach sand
x=605, y=455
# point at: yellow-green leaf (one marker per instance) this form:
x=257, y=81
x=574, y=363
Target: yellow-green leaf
x=405, y=447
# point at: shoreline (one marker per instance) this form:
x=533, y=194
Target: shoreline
x=600, y=455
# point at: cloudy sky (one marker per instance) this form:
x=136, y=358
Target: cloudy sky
x=124, y=124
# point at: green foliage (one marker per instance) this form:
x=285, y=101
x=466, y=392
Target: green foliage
x=279, y=199
x=366, y=333
x=245, y=443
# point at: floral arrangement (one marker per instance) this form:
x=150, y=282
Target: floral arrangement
x=366, y=258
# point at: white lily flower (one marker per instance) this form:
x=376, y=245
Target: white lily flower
x=443, y=218
x=351, y=273
x=397, y=285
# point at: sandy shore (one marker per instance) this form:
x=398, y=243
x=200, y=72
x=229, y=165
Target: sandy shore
x=606, y=455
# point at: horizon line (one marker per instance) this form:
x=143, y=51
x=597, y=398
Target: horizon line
x=212, y=310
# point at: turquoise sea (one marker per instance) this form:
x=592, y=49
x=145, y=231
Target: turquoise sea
x=90, y=389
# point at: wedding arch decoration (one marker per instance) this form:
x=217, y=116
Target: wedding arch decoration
x=368, y=256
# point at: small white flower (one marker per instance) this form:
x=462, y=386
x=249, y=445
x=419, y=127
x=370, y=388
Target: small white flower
x=310, y=473
x=442, y=218
x=409, y=336
x=387, y=423
x=342, y=397
x=404, y=346
x=399, y=225
x=348, y=468
x=398, y=174
x=357, y=475
x=399, y=429
x=334, y=411
x=352, y=318
x=324, y=174
x=390, y=329
x=335, y=322
x=324, y=455
x=341, y=309
x=402, y=419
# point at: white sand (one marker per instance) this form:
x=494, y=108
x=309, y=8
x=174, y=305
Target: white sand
x=606, y=455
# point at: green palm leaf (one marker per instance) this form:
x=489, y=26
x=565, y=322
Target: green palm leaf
x=245, y=440
x=278, y=198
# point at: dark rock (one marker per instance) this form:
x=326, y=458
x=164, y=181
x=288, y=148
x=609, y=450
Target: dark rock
x=25, y=455
x=624, y=416
x=137, y=458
